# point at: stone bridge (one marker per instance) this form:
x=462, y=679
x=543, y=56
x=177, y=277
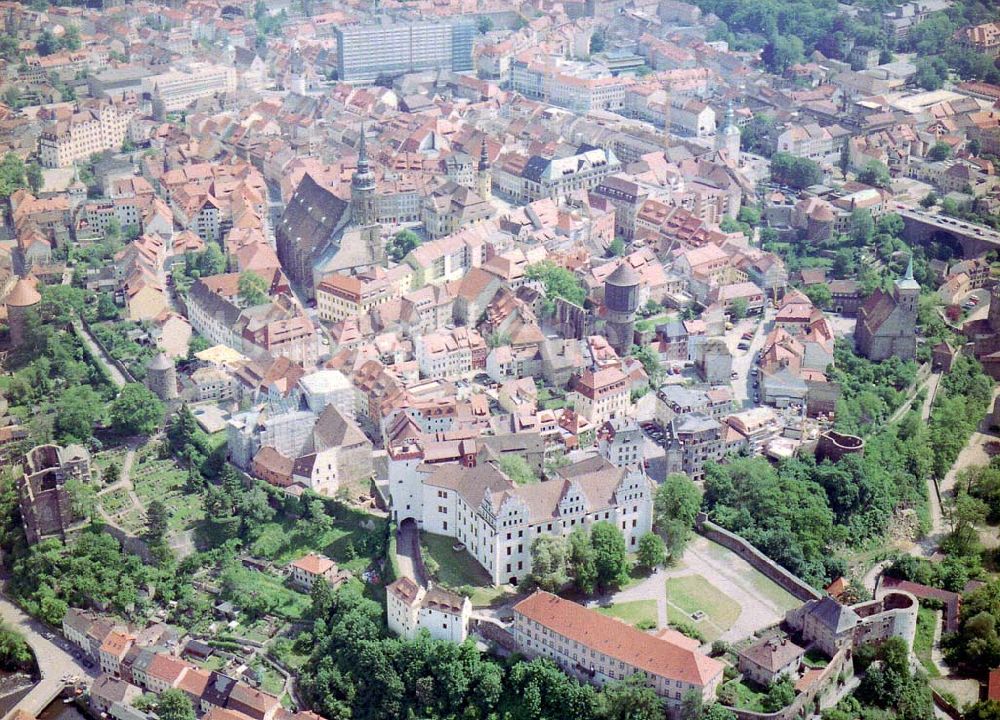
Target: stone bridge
x=922, y=226
x=54, y=656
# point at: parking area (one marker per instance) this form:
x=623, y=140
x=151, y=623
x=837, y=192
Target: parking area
x=745, y=340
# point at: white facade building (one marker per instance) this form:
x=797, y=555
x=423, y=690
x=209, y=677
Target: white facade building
x=497, y=520
x=411, y=608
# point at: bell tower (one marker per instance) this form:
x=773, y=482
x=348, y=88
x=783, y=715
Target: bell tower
x=484, y=180
x=363, y=187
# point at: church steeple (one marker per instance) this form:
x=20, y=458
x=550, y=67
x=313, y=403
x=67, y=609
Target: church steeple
x=484, y=157
x=363, y=187
x=728, y=138
x=484, y=178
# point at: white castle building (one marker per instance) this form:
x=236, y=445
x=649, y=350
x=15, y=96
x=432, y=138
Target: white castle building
x=497, y=520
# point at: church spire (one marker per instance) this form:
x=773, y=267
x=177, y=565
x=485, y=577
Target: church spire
x=484, y=156
x=909, y=269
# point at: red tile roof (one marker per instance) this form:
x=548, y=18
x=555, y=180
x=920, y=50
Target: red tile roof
x=615, y=639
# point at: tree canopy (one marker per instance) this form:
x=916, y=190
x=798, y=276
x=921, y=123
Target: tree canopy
x=136, y=411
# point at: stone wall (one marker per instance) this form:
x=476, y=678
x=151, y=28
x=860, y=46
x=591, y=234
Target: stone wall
x=823, y=688
x=798, y=588
x=492, y=631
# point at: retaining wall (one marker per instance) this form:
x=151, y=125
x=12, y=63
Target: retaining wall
x=799, y=588
x=801, y=706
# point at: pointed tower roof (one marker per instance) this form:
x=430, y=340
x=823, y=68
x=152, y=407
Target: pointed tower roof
x=484, y=156
x=23, y=294
x=363, y=177
x=907, y=282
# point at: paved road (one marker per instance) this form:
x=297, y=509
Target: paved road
x=54, y=656
x=116, y=376
x=408, y=553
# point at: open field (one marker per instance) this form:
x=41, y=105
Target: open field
x=692, y=594
x=640, y=613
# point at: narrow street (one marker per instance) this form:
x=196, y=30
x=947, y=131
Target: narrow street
x=54, y=656
x=116, y=376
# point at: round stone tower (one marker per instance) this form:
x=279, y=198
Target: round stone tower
x=161, y=377
x=621, y=298
x=994, y=316
x=22, y=298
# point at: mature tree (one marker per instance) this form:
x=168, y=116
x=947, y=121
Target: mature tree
x=876, y=174
x=892, y=684
x=136, y=410
x=610, y=554
x=82, y=498
x=929, y=200
x=401, y=244
x=12, y=175
x=112, y=473
x=692, y=706
x=174, y=704
x=581, y=556
x=252, y=288
x=617, y=247
x=484, y=24
x=549, y=557
x=558, y=282
x=738, y=308
x=717, y=711
x=632, y=699
x=781, y=52
x=862, y=227
x=106, y=308
x=984, y=710
x=794, y=171
x=652, y=551
x=675, y=506
x=77, y=411
x=46, y=43
x=211, y=261
x=33, y=175
x=517, y=469
x=71, y=38
x=940, y=151
x=759, y=136
x=819, y=295
x=157, y=519
x=15, y=653
x=931, y=73
x=650, y=363
x=780, y=694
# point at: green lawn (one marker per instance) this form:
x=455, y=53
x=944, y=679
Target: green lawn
x=692, y=593
x=761, y=583
x=815, y=659
x=287, y=603
x=271, y=682
x=459, y=569
x=923, y=641
x=213, y=663
x=746, y=697
x=641, y=613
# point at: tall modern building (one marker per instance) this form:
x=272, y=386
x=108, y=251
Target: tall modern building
x=364, y=52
